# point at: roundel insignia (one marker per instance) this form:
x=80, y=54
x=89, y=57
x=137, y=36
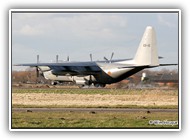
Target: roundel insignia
x=109, y=73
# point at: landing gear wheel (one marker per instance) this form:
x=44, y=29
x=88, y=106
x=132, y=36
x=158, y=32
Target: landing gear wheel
x=53, y=83
x=99, y=85
x=102, y=85
x=96, y=85
x=81, y=86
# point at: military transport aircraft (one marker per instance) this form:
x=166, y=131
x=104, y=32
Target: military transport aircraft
x=105, y=72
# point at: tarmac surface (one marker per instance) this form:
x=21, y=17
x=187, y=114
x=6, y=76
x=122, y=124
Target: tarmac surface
x=91, y=110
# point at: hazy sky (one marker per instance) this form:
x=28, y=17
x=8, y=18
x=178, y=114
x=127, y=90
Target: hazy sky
x=78, y=34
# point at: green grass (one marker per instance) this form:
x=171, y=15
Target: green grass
x=169, y=93
x=93, y=120
x=90, y=120
x=95, y=106
x=96, y=91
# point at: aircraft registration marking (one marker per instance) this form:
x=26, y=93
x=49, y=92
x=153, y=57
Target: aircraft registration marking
x=146, y=45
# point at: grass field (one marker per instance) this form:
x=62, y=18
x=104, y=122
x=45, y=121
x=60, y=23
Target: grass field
x=108, y=98
x=90, y=120
x=95, y=98
x=96, y=91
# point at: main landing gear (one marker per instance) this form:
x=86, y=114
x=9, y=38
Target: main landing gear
x=99, y=85
x=54, y=83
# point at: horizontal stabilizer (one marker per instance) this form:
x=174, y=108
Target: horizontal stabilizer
x=160, y=57
x=168, y=64
x=135, y=66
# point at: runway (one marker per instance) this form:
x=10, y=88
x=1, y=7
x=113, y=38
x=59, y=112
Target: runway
x=91, y=110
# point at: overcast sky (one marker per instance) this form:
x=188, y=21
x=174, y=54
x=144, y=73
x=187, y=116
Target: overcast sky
x=78, y=34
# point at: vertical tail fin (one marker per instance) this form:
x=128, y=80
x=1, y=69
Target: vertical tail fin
x=147, y=53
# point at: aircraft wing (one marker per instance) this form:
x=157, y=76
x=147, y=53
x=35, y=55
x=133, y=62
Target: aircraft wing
x=71, y=68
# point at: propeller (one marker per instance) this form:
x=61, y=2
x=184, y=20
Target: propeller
x=110, y=58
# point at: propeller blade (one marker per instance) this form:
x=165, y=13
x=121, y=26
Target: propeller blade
x=90, y=57
x=67, y=58
x=57, y=58
x=111, y=56
x=106, y=59
x=38, y=58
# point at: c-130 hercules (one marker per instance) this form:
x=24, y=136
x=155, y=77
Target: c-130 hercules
x=101, y=73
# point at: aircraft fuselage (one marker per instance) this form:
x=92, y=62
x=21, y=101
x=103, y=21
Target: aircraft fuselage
x=109, y=74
